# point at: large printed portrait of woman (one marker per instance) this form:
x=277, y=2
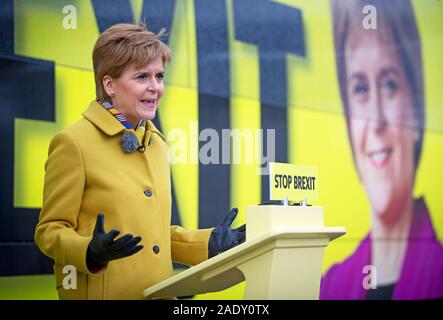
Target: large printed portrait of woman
x=380, y=75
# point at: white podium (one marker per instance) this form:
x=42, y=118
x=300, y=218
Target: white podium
x=281, y=258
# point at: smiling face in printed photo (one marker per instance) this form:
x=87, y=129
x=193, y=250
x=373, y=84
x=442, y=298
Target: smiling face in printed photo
x=382, y=126
x=137, y=91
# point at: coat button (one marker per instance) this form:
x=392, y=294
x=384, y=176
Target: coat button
x=156, y=249
x=148, y=192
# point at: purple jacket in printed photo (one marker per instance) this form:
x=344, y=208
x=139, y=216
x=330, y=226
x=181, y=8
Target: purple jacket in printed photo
x=422, y=271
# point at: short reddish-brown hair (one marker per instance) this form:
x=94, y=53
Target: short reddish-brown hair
x=122, y=45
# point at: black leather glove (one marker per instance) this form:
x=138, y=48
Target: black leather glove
x=223, y=237
x=103, y=248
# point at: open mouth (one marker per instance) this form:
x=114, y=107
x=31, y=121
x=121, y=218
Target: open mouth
x=150, y=103
x=380, y=158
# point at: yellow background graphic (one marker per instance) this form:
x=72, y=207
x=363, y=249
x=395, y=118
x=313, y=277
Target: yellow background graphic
x=317, y=132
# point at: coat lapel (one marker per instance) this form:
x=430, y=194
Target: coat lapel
x=102, y=119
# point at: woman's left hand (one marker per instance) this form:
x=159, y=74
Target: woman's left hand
x=223, y=237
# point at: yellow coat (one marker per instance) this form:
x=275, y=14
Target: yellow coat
x=86, y=173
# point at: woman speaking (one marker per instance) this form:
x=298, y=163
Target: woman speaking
x=108, y=175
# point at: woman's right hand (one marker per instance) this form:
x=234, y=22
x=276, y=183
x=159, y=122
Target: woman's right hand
x=103, y=248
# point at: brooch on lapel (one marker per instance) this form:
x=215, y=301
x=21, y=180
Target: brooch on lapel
x=129, y=142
